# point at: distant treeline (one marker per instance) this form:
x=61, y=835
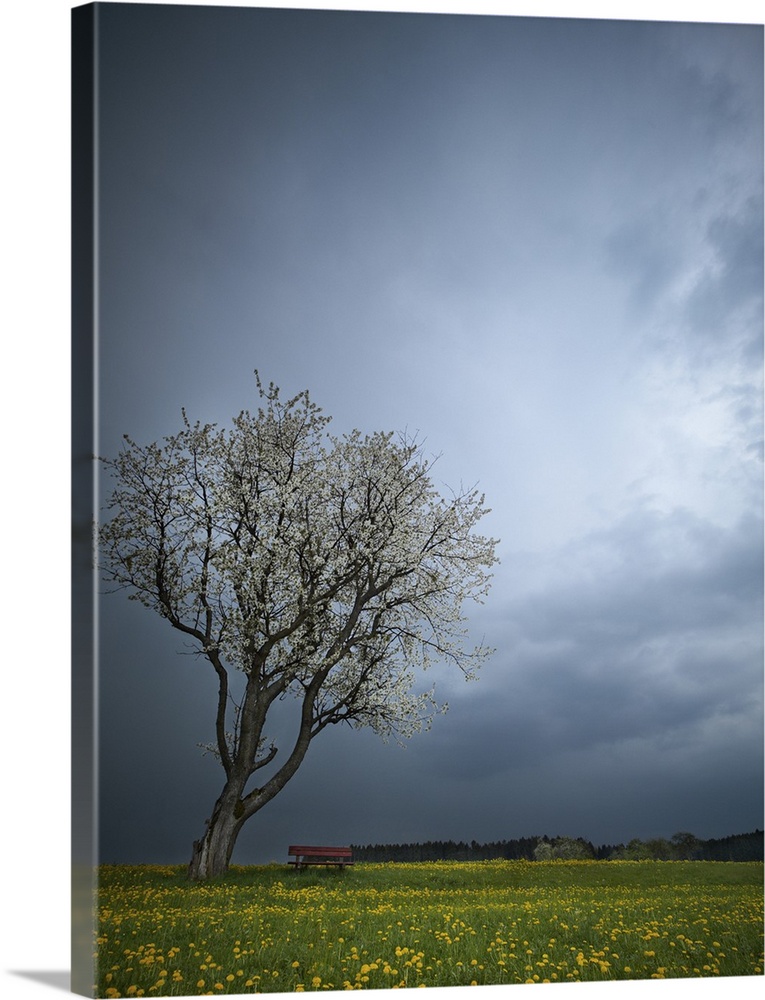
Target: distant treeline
x=680, y=847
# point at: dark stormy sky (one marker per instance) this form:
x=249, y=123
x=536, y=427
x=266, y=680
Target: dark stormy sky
x=537, y=243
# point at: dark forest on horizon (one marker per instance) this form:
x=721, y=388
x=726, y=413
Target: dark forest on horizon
x=680, y=847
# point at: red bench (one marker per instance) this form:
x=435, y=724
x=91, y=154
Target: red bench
x=340, y=856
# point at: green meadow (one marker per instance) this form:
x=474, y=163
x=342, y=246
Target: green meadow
x=381, y=926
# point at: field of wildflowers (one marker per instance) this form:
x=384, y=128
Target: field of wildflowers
x=377, y=926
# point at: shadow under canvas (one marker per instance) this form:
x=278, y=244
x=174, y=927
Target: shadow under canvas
x=56, y=979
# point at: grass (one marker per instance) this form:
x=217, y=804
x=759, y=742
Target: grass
x=378, y=926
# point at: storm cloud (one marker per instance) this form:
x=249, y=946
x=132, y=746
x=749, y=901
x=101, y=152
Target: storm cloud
x=536, y=243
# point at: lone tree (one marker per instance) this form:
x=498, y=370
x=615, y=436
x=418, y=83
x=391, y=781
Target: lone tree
x=324, y=567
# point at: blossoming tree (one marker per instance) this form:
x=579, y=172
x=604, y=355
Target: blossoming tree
x=325, y=567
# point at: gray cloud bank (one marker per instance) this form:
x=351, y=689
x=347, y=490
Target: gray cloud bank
x=536, y=242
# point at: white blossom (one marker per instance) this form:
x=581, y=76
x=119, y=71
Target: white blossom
x=327, y=567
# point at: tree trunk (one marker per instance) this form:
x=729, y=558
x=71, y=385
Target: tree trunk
x=211, y=855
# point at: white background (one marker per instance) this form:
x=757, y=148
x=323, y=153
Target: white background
x=34, y=879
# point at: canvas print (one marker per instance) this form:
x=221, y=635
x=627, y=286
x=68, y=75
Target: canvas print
x=417, y=504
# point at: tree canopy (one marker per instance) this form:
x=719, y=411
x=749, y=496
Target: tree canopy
x=329, y=567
